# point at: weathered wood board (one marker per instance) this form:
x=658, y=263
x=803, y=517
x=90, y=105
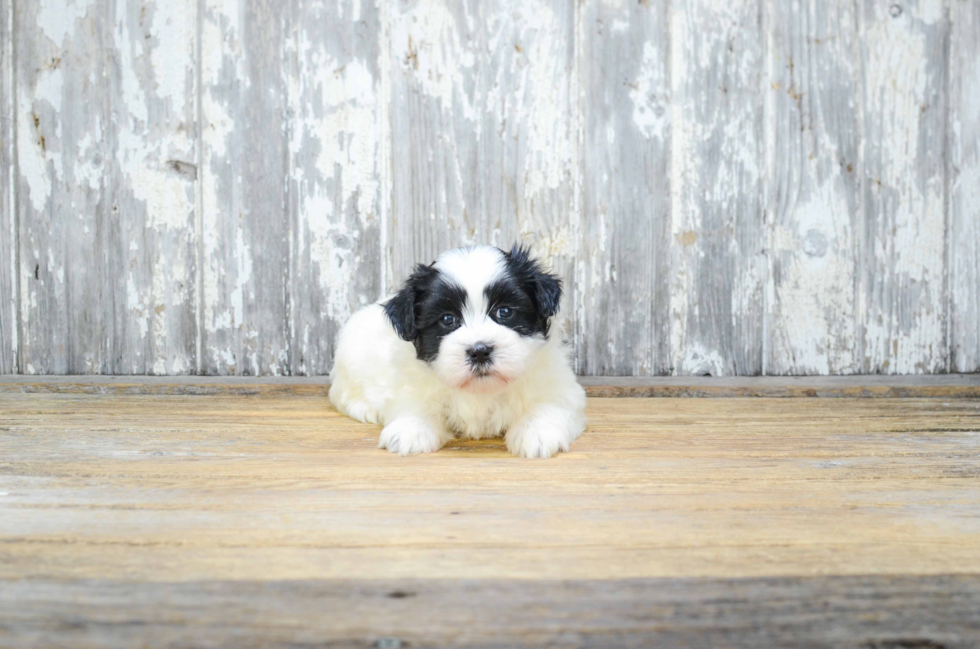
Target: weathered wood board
x=820, y=612
x=623, y=275
x=903, y=291
x=716, y=209
x=62, y=186
x=265, y=520
x=726, y=188
x=9, y=293
x=149, y=238
x=814, y=193
x=963, y=169
x=336, y=145
x=245, y=234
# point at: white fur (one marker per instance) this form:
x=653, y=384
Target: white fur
x=533, y=397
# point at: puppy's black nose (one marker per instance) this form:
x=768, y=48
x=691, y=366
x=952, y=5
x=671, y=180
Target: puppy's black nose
x=479, y=354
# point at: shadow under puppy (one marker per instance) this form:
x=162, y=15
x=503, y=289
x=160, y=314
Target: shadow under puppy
x=464, y=348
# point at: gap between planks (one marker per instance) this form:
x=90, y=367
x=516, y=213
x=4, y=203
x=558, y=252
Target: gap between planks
x=942, y=386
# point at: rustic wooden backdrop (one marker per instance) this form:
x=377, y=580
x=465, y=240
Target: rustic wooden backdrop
x=727, y=186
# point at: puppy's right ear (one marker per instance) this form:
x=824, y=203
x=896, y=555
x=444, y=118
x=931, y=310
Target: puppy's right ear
x=401, y=308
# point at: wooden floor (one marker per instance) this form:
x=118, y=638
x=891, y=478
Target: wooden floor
x=270, y=520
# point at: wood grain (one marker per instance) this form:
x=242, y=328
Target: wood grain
x=903, y=290
x=436, y=95
x=868, y=612
x=245, y=294
x=336, y=137
x=963, y=177
x=9, y=273
x=622, y=283
x=106, y=134
x=271, y=488
x=243, y=521
x=717, y=227
x=814, y=195
x=63, y=198
x=150, y=239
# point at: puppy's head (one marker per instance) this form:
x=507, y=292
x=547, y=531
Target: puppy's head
x=477, y=315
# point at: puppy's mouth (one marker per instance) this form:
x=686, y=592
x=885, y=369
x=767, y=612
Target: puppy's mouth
x=484, y=376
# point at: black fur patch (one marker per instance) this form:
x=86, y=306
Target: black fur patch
x=401, y=308
x=416, y=311
x=531, y=293
x=442, y=298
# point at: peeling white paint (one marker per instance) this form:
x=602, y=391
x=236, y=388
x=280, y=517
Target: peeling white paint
x=32, y=159
x=697, y=360
x=334, y=263
x=814, y=317
x=133, y=94
x=335, y=149
x=222, y=62
x=650, y=112
x=435, y=52
x=139, y=310
x=682, y=215
x=88, y=170
x=346, y=132
x=964, y=193
x=57, y=18
x=550, y=246
x=223, y=358
x=905, y=324
x=49, y=88
x=243, y=257
x=929, y=12
x=36, y=145
x=173, y=26
x=715, y=207
x=540, y=73
x=168, y=198
x=152, y=79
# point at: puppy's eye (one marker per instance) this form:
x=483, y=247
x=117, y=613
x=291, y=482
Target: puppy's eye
x=448, y=320
x=504, y=312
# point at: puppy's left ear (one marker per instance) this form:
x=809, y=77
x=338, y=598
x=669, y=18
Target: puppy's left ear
x=548, y=293
x=401, y=308
x=545, y=287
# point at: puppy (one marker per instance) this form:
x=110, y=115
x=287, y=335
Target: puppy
x=465, y=348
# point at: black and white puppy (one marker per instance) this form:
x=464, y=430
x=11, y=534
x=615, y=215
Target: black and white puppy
x=465, y=348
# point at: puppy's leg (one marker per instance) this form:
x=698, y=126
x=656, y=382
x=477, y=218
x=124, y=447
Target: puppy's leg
x=410, y=434
x=544, y=430
x=352, y=403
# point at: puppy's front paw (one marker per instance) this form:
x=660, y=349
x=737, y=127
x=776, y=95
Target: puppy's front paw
x=543, y=434
x=412, y=435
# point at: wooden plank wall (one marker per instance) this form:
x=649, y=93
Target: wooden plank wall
x=728, y=188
